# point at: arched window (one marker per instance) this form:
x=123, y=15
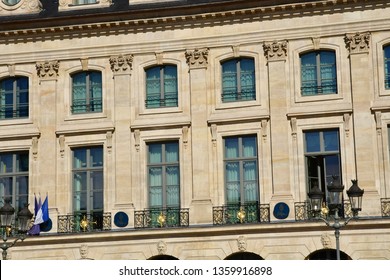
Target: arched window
x=318, y=73
x=238, y=80
x=161, y=86
x=386, y=55
x=14, y=98
x=87, y=92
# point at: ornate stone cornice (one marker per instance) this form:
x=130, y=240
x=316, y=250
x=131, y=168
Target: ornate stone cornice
x=47, y=70
x=121, y=64
x=358, y=42
x=197, y=58
x=276, y=50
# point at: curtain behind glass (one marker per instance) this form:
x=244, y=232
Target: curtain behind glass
x=79, y=95
x=308, y=74
x=153, y=87
x=229, y=80
x=247, y=79
x=170, y=86
x=328, y=72
x=386, y=51
x=95, y=89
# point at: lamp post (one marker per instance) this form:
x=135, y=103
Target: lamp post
x=334, y=204
x=7, y=214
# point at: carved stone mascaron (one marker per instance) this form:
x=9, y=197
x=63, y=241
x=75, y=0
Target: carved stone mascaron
x=358, y=42
x=277, y=50
x=47, y=70
x=197, y=58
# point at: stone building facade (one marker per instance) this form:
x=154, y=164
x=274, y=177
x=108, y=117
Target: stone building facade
x=195, y=129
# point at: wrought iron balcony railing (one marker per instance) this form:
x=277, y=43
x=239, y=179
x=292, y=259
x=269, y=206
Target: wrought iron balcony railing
x=83, y=222
x=161, y=217
x=303, y=211
x=241, y=213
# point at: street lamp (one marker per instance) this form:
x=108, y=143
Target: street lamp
x=334, y=204
x=7, y=215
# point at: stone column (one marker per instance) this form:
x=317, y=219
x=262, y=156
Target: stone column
x=358, y=45
x=121, y=67
x=201, y=201
x=276, y=54
x=44, y=147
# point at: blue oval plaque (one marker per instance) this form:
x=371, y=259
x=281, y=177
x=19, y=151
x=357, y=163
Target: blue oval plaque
x=281, y=210
x=121, y=219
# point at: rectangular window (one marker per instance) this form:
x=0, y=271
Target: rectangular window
x=14, y=98
x=14, y=173
x=238, y=80
x=87, y=92
x=318, y=73
x=164, y=175
x=161, y=87
x=241, y=169
x=322, y=155
x=88, y=185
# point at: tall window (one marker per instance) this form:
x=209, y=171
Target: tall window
x=386, y=52
x=241, y=165
x=87, y=92
x=322, y=154
x=318, y=73
x=14, y=98
x=238, y=80
x=14, y=178
x=161, y=87
x=88, y=184
x=164, y=175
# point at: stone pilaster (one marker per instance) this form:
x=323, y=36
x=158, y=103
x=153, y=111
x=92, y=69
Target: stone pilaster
x=358, y=45
x=276, y=54
x=44, y=149
x=201, y=201
x=121, y=67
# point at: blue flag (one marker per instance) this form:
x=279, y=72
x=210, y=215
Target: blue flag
x=41, y=215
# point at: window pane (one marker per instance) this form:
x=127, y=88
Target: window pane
x=96, y=157
x=95, y=92
x=229, y=80
x=79, y=158
x=312, y=141
x=155, y=153
x=247, y=79
x=153, y=87
x=332, y=166
x=331, y=140
x=6, y=165
x=171, y=152
x=231, y=148
x=22, y=162
x=249, y=146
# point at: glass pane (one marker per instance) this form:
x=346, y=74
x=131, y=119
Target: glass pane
x=312, y=141
x=328, y=72
x=97, y=200
x=171, y=152
x=309, y=74
x=249, y=146
x=155, y=176
x=247, y=79
x=155, y=196
x=79, y=158
x=250, y=181
x=231, y=147
x=95, y=91
x=22, y=162
x=80, y=181
x=6, y=186
x=331, y=140
x=229, y=80
x=97, y=180
x=386, y=51
x=155, y=153
x=332, y=167
x=153, y=87
x=6, y=161
x=96, y=157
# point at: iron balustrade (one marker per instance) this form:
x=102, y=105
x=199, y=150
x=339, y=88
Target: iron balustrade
x=161, y=217
x=84, y=222
x=234, y=95
x=157, y=102
x=241, y=213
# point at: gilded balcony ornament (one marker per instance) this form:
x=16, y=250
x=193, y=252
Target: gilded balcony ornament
x=161, y=219
x=84, y=223
x=241, y=215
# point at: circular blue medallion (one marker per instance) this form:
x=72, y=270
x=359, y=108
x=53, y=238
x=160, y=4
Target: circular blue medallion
x=281, y=210
x=121, y=219
x=46, y=226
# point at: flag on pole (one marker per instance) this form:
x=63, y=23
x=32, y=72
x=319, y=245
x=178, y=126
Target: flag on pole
x=41, y=215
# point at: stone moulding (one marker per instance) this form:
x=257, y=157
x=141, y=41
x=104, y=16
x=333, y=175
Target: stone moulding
x=109, y=26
